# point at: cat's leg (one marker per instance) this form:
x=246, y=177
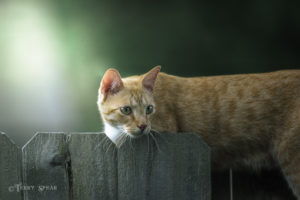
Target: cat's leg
x=288, y=151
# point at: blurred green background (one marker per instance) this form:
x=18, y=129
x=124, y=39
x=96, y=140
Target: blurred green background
x=54, y=53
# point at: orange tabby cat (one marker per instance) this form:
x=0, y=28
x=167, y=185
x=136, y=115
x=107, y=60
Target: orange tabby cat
x=247, y=120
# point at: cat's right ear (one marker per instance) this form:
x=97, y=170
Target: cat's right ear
x=111, y=83
x=150, y=78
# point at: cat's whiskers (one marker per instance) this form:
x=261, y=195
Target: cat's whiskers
x=106, y=142
x=122, y=138
x=159, y=135
x=108, y=147
x=148, y=141
x=130, y=140
x=155, y=141
x=104, y=139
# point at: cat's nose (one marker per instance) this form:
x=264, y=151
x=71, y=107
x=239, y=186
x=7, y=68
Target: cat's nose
x=142, y=127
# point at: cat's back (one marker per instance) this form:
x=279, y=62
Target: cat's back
x=284, y=80
x=233, y=101
x=260, y=85
x=281, y=76
x=293, y=75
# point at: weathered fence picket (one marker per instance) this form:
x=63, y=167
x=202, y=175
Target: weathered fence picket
x=88, y=166
x=168, y=166
x=44, y=167
x=10, y=169
x=93, y=167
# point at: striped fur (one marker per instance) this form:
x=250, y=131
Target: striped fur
x=249, y=120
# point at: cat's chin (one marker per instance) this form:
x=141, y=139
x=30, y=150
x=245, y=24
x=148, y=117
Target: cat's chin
x=136, y=135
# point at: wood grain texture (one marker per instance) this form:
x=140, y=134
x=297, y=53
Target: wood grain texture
x=75, y=166
x=93, y=167
x=10, y=169
x=173, y=166
x=165, y=166
x=88, y=166
x=45, y=165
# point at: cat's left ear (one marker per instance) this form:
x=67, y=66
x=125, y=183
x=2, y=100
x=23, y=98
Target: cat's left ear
x=150, y=78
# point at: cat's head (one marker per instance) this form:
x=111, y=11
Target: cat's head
x=126, y=105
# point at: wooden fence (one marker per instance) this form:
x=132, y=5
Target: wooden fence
x=87, y=166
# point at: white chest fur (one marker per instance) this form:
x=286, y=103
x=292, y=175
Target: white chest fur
x=113, y=133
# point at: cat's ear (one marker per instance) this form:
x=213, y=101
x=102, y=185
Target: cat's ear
x=111, y=83
x=150, y=77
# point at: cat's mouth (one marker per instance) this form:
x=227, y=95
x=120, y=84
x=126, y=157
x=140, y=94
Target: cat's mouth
x=136, y=135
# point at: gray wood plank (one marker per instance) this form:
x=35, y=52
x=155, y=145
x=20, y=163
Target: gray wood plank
x=45, y=162
x=94, y=167
x=10, y=169
x=168, y=166
x=173, y=166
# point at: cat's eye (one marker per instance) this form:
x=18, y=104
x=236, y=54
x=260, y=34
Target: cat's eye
x=126, y=110
x=149, y=109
